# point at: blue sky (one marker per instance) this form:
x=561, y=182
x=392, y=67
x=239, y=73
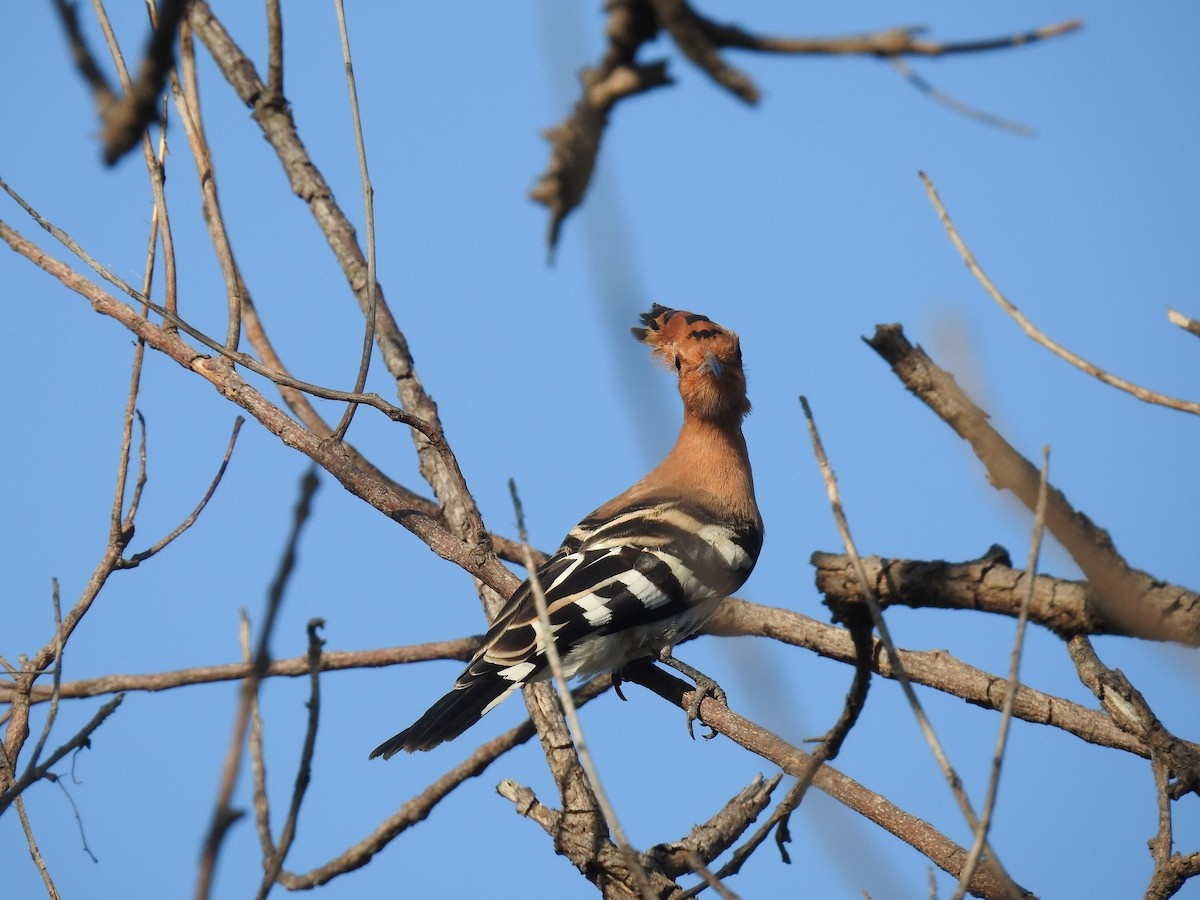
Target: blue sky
x=800, y=224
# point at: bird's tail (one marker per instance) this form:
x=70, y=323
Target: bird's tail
x=450, y=716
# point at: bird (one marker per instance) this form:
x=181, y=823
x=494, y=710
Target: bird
x=645, y=570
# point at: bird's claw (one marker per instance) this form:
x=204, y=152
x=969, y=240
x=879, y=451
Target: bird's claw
x=705, y=687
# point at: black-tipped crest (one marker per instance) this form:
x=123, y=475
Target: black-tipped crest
x=650, y=321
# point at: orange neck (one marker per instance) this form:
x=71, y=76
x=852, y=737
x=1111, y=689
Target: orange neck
x=709, y=456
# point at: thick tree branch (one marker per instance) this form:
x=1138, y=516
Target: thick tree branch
x=940, y=850
x=1130, y=599
x=990, y=584
x=931, y=668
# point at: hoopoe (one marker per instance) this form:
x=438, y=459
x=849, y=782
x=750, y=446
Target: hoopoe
x=645, y=570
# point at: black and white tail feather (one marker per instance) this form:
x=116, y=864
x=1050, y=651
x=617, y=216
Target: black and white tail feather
x=644, y=571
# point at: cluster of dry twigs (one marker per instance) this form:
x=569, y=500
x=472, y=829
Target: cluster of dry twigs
x=1114, y=599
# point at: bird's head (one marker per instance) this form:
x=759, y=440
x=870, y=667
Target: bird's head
x=707, y=358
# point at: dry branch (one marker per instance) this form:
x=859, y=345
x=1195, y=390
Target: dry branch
x=274, y=117
x=419, y=807
x=575, y=142
x=1032, y=331
x=710, y=839
x=1134, y=716
x=124, y=120
x=990, y=584
x=1130, y=600
x=932, y=668
x=940, y=850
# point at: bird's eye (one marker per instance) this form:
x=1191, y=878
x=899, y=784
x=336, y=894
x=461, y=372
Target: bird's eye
x=678, y=365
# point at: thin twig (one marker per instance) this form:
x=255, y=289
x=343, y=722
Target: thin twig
x=57, y=679
x=126, y=121
x=140, y=557
x=34, y=853
x=84, y=61
x=885, y=636
x=632, y=859
x=74, y=812
x=224, y=815
x=418, y=808
x=155, y=165
x=989, y=802
x=69, y=242
x=395, y=413
x=82, y=738
x=274, y=865
x=830, y=746
x=710, y=879
x=953, y=103
x=258, y=766
x=1143, y=394
x=884, y=43
x=369, y=216
x=989, y=880
x=186, y=92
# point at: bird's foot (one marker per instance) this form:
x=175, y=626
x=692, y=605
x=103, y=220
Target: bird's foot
x=705, y=687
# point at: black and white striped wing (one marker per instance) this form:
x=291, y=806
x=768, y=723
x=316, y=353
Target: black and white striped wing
x=639, y=581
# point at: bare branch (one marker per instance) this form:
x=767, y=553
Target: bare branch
x=989, y=803
x=274, y=865
x=102, y=93
x=710, y=839
x=1178, y=318
x=295, y=667
x=699, y=44
x=1124, y=595
x=57, y=678
x=69, y=242
x=126, y=120
x=224, y=815
x=81, y=739
x=328, y=455
x=1171, y=870
x=885, y=43
x=860, y=633
x=418, y=808
x=155, y=165
x=990, y=584
x=1133, y=715
x=1030, y=329
x=575, y=142
x=369, y=218
x=931, y=738
x=932, y=668
x=988, y=882
x=597, y=794
x=34, y=853
x=461, y=514
x=140, y=557
x=937, y=96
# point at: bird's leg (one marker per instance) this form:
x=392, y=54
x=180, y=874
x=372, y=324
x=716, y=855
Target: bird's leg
x=705, y=687
x=617, y=681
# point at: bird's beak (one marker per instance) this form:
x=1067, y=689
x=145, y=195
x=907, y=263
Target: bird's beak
x=711, y=364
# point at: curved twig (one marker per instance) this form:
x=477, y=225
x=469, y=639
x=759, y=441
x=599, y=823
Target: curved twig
x=1144, y=394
